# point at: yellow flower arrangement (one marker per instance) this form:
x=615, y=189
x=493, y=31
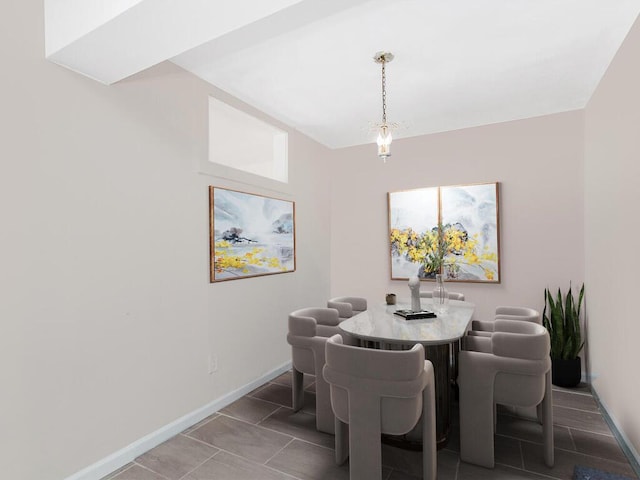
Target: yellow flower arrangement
x=444, y=247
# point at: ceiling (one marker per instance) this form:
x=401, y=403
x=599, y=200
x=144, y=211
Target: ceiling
x=309, y=63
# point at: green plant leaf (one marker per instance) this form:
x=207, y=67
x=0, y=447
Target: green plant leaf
x=557, y=318
x=569, y=324
x=580, y=297
x=575, y=318
x=561, y=317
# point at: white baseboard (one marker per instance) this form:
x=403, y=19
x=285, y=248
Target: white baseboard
x=127, y=454
x=628, y=449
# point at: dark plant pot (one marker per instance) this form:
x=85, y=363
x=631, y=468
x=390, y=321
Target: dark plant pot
x=566, y=373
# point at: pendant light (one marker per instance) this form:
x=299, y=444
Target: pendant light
x=384, y=129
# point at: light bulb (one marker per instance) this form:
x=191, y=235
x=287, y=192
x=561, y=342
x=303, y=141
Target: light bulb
x=384, y=142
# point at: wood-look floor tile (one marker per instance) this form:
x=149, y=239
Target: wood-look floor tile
x=409, y=462
x=598, y=445
x=250, y=409
x=262, y=438
x=298, y=424
x=566, y=461
x=200, y=423
x=580, y=401
x=241, y=438
x=532, y=431
x=580, y=388
x=507, y=451
x=580, y=419
x=398, y=475
x=136, y=472
x=274, y=393
x=447, y=465
x=176, y=457
x=281, y=395
x=309, y=462
x=113, y=474
x=257, y=389
x=286, y=379
x=225, y=466
x=466, y=471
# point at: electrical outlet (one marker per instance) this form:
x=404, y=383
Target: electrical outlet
x=213, y=363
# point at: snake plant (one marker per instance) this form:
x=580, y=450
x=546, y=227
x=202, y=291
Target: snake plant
x=563, y=323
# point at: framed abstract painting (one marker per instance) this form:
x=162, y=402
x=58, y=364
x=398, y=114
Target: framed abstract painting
x=452, y=230
x=250, y=235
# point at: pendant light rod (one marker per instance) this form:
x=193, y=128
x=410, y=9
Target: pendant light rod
x=383, y=58
x=384, y=132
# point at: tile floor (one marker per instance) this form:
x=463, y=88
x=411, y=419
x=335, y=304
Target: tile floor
x=260, y=437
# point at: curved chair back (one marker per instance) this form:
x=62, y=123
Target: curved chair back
x=518, y=313
x=348, y=306
x=510, y=367
x=375, y=392
x=523, y=314
x=529, y=342
x=452, y=295
x=309, y=329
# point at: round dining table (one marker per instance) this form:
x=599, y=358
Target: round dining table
x=380, y=327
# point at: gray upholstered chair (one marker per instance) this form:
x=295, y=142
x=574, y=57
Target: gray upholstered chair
x=452, y=295
x=348, y=306
x=525, y=314
x=375, y=392
x=309, y=329
x=511, y=367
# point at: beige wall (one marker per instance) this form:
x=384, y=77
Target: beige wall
x=107, y=317
x=612, y=176
x=539, y=165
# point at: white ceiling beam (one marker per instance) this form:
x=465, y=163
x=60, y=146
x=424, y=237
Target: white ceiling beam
x=109, y=43
x=197, y=60
x=68, y=20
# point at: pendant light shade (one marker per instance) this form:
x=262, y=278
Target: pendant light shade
x=384, y=142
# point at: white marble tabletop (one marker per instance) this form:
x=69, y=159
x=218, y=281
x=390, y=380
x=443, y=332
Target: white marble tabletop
x=379, y=323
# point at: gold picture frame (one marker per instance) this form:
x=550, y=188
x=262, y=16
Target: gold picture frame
x=250, y=235
x=452, y=230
